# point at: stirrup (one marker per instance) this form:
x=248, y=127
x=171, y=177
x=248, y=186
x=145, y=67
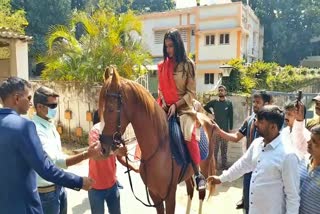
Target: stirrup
x=201, y=182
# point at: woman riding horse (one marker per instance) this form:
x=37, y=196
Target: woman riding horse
x=177, y=89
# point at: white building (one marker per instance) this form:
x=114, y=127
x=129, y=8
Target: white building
x=13, y=54
x=215, y=33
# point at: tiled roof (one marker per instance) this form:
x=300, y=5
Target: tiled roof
x=6, y=33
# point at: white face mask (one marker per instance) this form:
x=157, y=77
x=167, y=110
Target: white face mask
x=52, y=112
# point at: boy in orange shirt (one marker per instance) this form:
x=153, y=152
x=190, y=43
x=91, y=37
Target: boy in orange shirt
x=103, y=171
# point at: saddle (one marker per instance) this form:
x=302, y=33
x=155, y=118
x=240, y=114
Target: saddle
x=178, y=147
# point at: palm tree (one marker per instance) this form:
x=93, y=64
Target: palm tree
x=108, y=39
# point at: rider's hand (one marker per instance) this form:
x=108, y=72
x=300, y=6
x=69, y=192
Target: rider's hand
x=165, y=108
x=172, y=110
x=196, y=105
x=213, y=179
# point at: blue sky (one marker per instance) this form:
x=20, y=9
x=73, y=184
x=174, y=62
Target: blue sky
x=185, y=3
x=192, y=3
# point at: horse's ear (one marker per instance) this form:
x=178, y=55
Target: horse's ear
x=115, y=77
x=107, y=73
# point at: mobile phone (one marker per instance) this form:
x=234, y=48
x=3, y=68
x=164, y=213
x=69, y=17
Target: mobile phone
x=299, y=97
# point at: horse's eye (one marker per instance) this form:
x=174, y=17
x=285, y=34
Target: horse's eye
x=110, y=110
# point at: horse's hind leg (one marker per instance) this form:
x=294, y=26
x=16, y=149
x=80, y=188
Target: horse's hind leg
x=202, y=195
x=157, y=200
x=190, y=190
x=207, y=168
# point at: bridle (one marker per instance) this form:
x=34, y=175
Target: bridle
x=115, y=139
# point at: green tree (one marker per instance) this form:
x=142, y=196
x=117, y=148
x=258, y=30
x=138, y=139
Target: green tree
x=288, y=26
x=288, y=29
x=117, y=6
x=152, y=5
x=15, y=20
x=140, y=6
x=41, y=15
x=109, y=40
x=78, y=4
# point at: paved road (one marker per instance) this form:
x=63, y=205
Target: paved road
x=223, y=203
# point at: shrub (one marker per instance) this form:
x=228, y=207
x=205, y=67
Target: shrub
x=269, y=76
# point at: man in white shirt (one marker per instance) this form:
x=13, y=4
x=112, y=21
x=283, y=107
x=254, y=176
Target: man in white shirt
x=274, y=185
x=295, y=129
x=53, y=197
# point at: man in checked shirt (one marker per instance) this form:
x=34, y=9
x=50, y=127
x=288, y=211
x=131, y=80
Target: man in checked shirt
x=310, y=176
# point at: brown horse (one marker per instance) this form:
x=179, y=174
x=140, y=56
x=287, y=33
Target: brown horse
x=122, y=102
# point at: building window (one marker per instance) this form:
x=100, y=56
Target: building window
x=208, y=78
x=224, y=39
x=227, y=38
x=192, y=32
x=183, y=33
x=158, y=36
x=210, y=39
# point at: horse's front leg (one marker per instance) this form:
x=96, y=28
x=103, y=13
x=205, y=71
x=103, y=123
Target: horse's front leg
x=157, y=200
x=171, y=200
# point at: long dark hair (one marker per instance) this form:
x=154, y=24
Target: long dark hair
x=179, y=50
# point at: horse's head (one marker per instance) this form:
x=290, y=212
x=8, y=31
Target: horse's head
x=111, y=101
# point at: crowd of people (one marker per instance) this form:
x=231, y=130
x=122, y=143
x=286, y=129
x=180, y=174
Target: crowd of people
x=281, y=165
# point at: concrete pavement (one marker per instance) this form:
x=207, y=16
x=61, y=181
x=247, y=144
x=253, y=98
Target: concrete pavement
x=227, y=195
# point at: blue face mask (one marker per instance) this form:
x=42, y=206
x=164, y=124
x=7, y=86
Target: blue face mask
x=52, y=112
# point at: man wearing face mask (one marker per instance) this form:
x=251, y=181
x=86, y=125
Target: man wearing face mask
x=53, y=197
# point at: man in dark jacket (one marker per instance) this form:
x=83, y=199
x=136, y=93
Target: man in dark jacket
x=21, y=154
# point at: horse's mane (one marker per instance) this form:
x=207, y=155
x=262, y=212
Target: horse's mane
x=154, y=111
x=142, y=94
x=115, y=83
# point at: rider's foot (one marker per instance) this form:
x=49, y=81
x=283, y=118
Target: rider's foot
x=240, y=204
x=201, y=182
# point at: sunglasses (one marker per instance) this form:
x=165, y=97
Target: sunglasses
x=50, y=105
